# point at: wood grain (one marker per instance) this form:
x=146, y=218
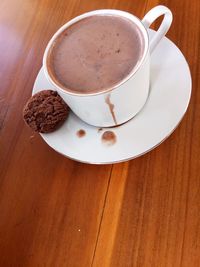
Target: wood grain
x=57, y=212
x=159, y=220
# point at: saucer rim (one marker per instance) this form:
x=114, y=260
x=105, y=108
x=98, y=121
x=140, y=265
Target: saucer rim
x=122, y=160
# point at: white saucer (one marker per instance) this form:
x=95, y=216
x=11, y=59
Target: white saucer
x=167, y=103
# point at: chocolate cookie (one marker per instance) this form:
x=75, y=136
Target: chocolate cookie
x=45, y=111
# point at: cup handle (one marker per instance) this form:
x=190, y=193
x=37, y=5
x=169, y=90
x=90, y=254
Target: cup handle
x=151, y=16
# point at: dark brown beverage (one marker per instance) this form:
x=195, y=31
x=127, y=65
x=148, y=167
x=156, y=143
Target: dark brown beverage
x=95, y=53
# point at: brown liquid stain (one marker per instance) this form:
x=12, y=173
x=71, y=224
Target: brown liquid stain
x=109, y=138
x=111, y=108
x=81, y=133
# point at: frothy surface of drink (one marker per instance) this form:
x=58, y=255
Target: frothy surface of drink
x=95, y=53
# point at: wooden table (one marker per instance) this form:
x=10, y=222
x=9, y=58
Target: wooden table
x=57, y=212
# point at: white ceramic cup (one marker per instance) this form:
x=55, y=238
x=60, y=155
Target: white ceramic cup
x=123, y=101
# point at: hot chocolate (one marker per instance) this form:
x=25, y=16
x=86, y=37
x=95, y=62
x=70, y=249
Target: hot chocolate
x=95, y=53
